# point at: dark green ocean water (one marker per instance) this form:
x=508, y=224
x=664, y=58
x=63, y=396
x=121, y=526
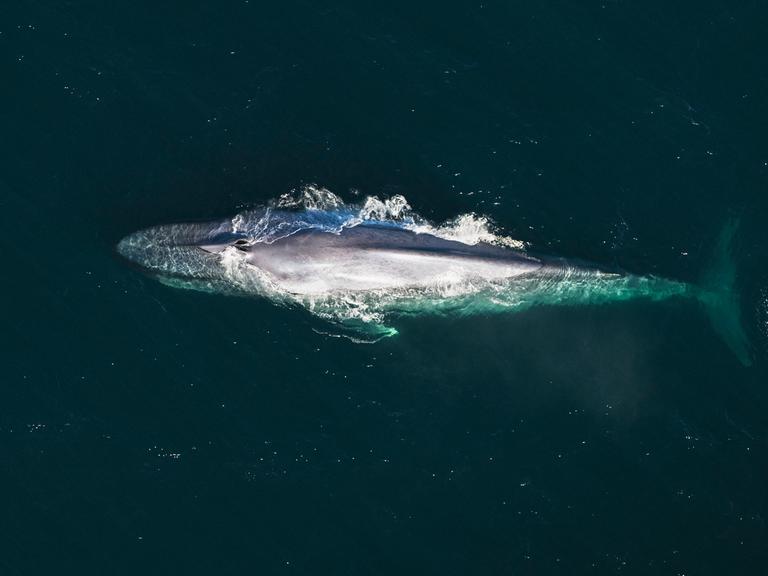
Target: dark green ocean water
x=149, y=430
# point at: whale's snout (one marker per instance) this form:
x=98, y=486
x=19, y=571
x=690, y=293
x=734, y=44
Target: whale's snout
x=148, y=249
x=133, y=248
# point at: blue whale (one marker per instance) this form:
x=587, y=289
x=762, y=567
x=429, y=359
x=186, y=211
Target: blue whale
x=362, y=273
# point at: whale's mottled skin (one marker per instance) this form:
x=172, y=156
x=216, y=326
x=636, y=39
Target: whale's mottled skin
x=366, y=271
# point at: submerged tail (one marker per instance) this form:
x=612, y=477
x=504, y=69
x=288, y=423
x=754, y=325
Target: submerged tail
x=719, y=297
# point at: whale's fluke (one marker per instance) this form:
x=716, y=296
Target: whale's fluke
x=719, y=296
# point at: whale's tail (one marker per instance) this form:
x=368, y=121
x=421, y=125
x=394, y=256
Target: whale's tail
x=719, y=297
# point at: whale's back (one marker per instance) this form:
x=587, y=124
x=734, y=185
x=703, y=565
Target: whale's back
x=381, y=257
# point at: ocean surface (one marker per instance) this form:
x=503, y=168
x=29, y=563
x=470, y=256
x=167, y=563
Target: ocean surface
x=151, y=430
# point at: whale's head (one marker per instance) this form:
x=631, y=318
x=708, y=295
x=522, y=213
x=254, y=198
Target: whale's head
x=187, y=252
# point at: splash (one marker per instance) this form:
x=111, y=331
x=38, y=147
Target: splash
x=316, y=208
